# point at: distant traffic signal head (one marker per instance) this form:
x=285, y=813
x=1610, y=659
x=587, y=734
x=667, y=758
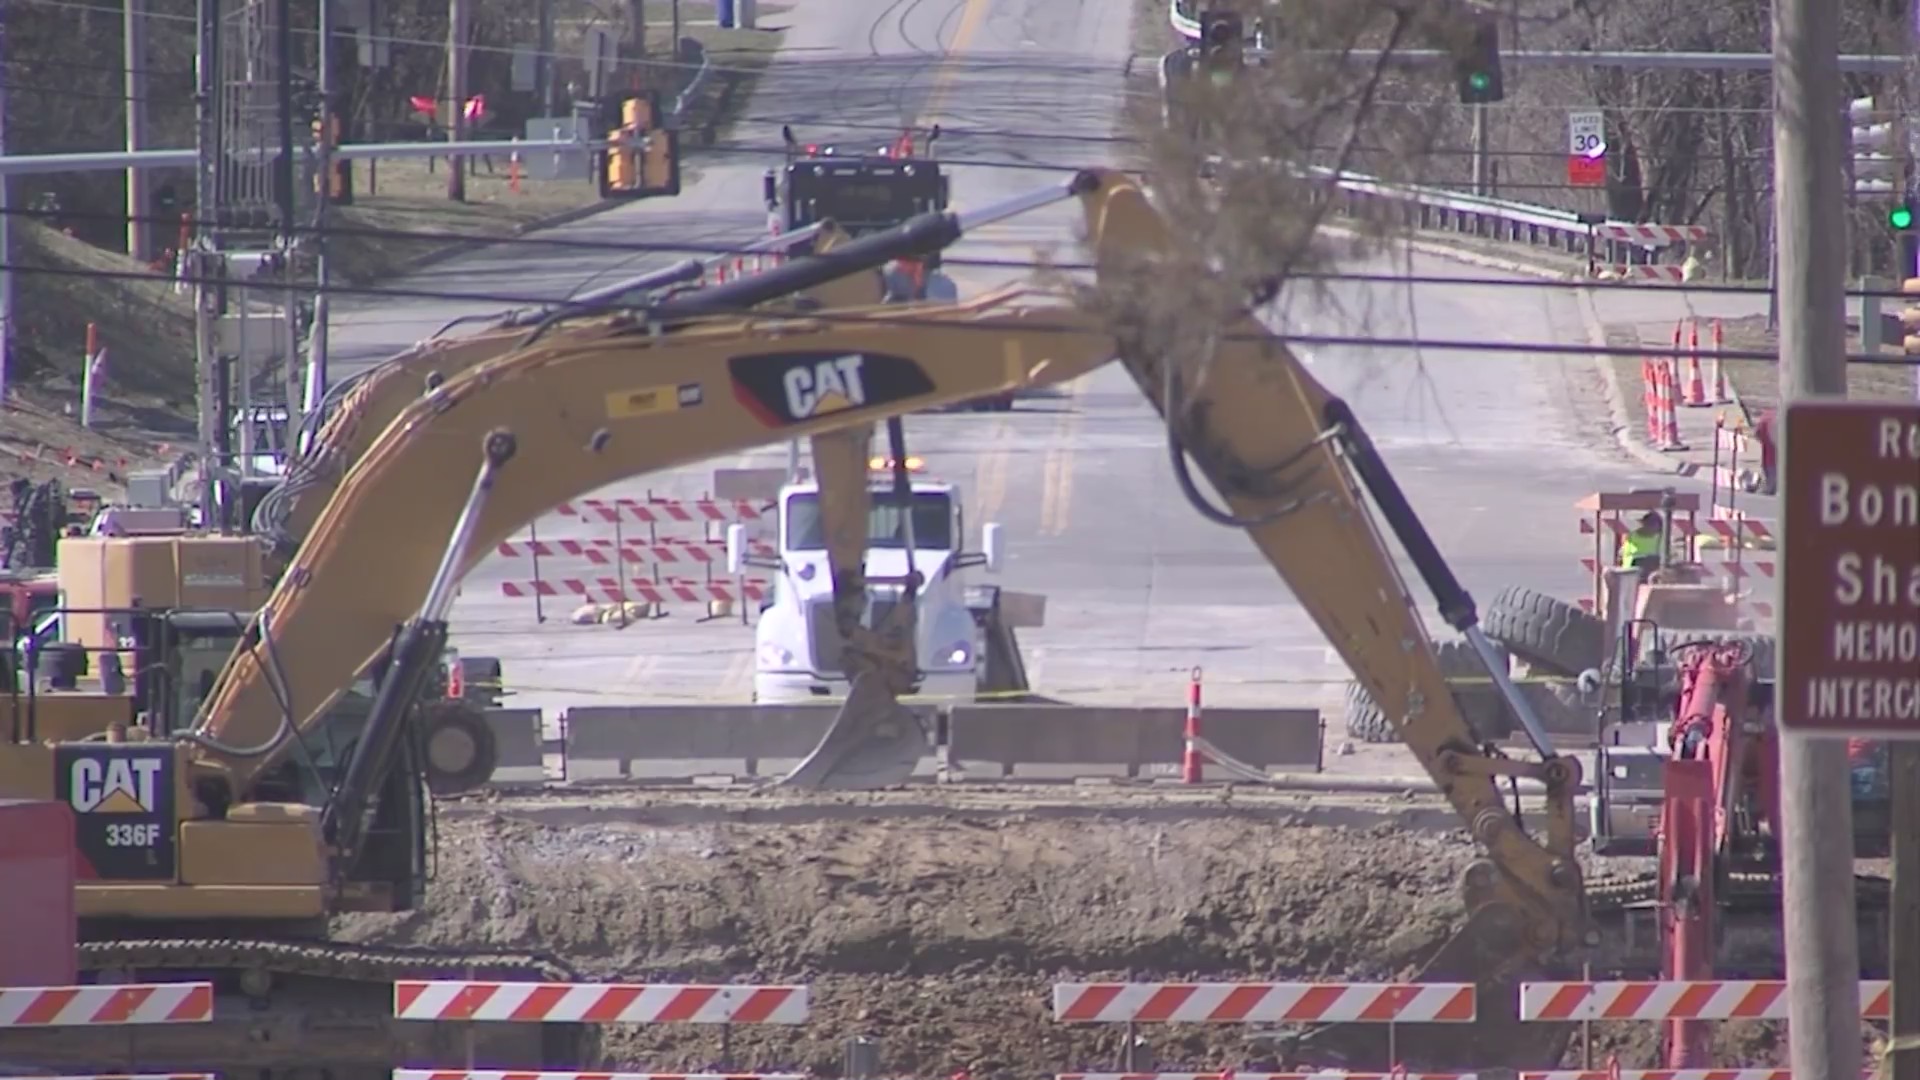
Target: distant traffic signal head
x=1476, y=68
x=1901, y=217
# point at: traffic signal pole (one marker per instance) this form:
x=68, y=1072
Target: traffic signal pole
x=1822, y=949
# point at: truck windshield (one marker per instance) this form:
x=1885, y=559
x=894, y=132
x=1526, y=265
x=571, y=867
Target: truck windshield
x=932, y=523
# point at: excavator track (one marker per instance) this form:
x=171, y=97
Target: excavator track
x=302, y=1010
x=1625, y=911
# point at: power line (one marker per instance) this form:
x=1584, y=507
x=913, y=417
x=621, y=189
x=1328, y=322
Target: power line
x=923, y=321
x=721, y=250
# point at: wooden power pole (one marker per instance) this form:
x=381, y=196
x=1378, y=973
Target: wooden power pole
x=1822, y=947
x=459, y=15
x=139, y=206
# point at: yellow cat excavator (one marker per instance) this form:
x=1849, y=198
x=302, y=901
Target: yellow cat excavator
x=264, y=826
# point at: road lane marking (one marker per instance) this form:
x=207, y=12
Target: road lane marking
x=990, y=477
x=1056, y=491
x=640, y=671
x=739, y=670
x=970, y=19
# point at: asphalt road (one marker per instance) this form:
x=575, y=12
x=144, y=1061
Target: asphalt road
x=1494, y=448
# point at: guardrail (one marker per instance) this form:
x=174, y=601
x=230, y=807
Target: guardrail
x=1612, y=248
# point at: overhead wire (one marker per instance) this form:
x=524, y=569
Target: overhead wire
x=909, y=319
x=694, y=247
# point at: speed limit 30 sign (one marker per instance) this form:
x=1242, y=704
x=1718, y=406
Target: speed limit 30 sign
x=1586, y=148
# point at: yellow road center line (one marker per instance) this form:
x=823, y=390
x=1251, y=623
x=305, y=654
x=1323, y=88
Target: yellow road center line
x=971, y=17
x=1056, y=497
x=990, y=485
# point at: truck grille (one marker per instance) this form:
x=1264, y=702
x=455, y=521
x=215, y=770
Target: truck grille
x=828, y=647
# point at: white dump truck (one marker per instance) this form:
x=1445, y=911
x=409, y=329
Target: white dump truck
x=966, y=644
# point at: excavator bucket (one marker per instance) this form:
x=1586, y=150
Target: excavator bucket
x=875, y=742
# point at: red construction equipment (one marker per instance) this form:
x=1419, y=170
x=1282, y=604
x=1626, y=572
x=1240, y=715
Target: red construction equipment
x=1721, y=813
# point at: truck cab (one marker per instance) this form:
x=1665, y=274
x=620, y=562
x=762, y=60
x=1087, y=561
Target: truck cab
x=797, y=649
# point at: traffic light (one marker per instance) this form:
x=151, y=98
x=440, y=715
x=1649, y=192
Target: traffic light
x=1901, y=217
x=1476, y=68
x=1222, y=44
x=1873, y=161
x=649, y=170
x=337, y=188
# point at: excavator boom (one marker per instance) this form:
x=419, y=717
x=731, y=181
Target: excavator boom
x=599, y=401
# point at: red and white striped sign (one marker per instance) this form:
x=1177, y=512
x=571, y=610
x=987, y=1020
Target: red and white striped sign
x=604, y=552
x=1318, y=1074
x=124, y=1003
x=609, y=590
x=664, y=511
x=1653, y=234
x=1644, y=273
x=1272, y=1003
x=119, y=1076
x=1713, y=1000
x=528, y=1074
x=599, y=1003
x=1661, y=1074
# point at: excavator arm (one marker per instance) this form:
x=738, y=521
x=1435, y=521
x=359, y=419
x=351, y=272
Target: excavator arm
x=594, y=403
x=358, y=410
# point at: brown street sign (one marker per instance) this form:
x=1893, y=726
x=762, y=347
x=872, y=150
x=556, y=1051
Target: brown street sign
x=1850, y=664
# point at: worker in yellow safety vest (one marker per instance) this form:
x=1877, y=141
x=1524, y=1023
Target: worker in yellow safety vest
x=1645, y=546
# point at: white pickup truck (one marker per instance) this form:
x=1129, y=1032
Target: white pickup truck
x=965, y=645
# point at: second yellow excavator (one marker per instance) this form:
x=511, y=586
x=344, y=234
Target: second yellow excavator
x=263, y=827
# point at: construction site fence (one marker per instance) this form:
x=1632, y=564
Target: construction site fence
x=1738, y=549
x=631, y=558
x=724, y=1006
x=987, y=742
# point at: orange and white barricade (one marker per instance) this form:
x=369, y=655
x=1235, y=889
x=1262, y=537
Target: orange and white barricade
x=649, y=535
x=722, y=1006
x=1266, y=1003
x=1716, y=999
x=108, y=1005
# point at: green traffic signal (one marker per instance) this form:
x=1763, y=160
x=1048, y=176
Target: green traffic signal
x=1901, y=217
x=1479, y=80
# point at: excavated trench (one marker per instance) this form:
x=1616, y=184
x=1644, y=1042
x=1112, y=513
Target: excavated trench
x=939, y=936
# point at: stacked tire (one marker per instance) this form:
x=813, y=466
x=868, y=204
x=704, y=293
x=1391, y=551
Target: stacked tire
x=1553, y=638
x=1479, y=700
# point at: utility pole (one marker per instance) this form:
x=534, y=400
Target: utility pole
x=1822, y=947
x=134, y=80
x=1903, y=756
x=1482, y=151
x=543, y=64
x=201, y=259
x=6, y=232
x=290, y=173
x=316, y=388
x=457, y=17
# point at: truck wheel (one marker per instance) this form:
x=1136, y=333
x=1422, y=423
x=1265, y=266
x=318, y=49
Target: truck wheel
x=461, y=751
x=1546, y=632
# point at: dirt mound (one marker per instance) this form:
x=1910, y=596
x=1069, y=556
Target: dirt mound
x=940, y=935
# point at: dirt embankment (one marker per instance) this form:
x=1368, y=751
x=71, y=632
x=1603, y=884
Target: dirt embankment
x=940, y=936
